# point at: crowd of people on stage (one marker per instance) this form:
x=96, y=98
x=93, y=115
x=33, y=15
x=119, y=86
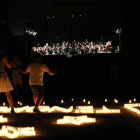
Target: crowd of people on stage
x=75, y=47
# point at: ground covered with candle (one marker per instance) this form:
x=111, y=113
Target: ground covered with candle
x=72, y=120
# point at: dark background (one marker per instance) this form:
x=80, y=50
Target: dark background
x=81, y=75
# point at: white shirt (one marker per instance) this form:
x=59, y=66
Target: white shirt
x=36, y=71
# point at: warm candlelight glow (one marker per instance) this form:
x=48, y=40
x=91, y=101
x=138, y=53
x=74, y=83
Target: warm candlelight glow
x=105, y=100
x=3, y=103
x=84, y=109
x=2, y=119
x=77, y=120
x=84, y=100
x=106, y=110
x=132, y=107
x=62, y=101
x=14, y=132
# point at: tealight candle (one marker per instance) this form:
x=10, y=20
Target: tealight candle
x=62, y=101
x=105, y=100
x=44, y=103
x=129, y=101
x=21, y=103
x=3, y=103
x=88, y=102
x=134, y=99
x=72, y=99
x=84, y=100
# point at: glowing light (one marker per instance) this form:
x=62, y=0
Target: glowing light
x=106, y=110
x=134, y=99
x=84, y=109
x=84, y=100
x=5, y=109
x=21, y=109
x=76, y=120
x=18, y=102
x=62, y=101
x=105, y=100
x=130, y=101
x=21, y=103
x=88, y=102
x=132, y=107
x=72, y=99
x=115, y=100
x=2, y=119
x=60, y=109
x=4, y=104
x=14, y=132
x=44, y=103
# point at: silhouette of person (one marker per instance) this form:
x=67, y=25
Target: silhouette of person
x=36, y=70
x=16, y=74
x=5, y=83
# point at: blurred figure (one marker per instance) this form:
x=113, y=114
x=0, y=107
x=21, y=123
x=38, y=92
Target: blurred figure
x=16, y=66
x=5, y=84
x=36, y=70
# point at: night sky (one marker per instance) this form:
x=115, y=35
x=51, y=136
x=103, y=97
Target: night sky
x=107, y=18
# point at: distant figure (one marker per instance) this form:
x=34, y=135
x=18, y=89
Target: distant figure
x=114, y=70
x=5, y=84
x=36, y=70
x=16, y=74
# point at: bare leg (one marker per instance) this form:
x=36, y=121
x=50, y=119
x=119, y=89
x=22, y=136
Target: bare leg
x=9, y=99
x=35, y=97
x=40, y=99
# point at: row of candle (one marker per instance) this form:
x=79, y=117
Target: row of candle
x=78, y=109
x=14, y=132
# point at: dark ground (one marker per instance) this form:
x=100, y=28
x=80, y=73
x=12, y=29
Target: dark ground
x=83, y=77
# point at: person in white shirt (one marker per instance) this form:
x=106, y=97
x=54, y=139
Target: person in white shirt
x=36, y=71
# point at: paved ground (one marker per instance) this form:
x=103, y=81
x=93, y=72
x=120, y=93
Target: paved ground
x=125, y=125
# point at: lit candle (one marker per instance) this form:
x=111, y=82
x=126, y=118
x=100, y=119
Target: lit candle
x=134, y=99
x=84, y=100
x=44, y=103
x=3, y=103
x=21, y=103
x=88, y=102
x=105, y=100
x=129, y=101
x=18, y=102
x=62, y=101
x=72, y=99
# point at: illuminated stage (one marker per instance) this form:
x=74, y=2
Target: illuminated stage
x=72, y=120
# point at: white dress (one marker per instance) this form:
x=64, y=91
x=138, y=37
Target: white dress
x=5, y=83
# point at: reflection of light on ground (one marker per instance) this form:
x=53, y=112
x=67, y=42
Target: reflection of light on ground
x=132, y=107
x=106, y=110
x=14, y=132
x=2, y=119
x=84, y=109
x=77, y=120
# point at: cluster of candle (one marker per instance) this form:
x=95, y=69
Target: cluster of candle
x=2, y=119
x=61, y=109
x=14, y=132
x=132, y=107
x=106, y=110
x=43, y=108
x=84, y=109
x=4, y=109
x=77, y=120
